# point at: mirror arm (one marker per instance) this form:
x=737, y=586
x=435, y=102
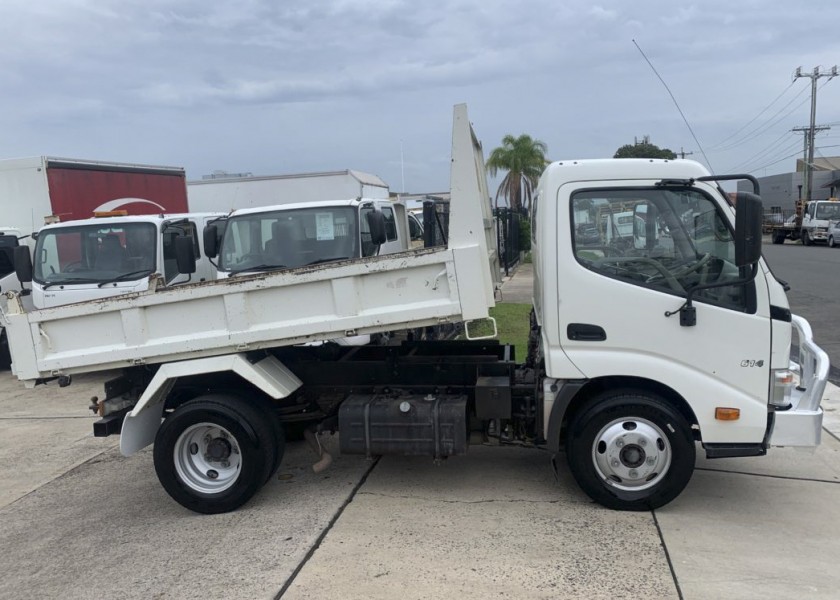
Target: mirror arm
x=688, y=313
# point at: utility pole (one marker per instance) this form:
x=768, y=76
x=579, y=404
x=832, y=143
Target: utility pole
x=683, y=153
x=809, y=161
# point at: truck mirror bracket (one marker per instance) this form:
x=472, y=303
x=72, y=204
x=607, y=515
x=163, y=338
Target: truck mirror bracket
x=688, y=313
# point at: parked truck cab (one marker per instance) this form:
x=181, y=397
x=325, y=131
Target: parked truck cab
x=653, y=343
x=288, y=236
x=107, y=256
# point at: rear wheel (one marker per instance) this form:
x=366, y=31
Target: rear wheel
x=778, y=237
x=630, y=451
x=278, y=433
x=214, y=453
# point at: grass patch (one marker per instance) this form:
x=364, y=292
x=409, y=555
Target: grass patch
x=513, y=324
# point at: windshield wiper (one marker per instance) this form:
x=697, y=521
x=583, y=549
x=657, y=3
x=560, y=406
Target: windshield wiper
x=125, y=276
x=323, y=260
x=257, y=268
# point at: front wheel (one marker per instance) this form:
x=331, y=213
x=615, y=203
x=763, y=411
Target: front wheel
x=806, y=239
x=214, y=453
x=630, y=451
x=831, y=243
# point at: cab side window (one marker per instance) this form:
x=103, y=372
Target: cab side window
x=666, y=240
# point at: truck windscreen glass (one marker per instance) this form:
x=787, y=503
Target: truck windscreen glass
x=289, y=238
x=95, y=253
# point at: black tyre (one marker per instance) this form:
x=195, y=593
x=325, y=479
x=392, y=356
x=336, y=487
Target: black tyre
x=831, y=243
x=5, y=354
x=630, y=451
x=214, y=453
x=278, y=434
x=778, y=237
x=806, y=239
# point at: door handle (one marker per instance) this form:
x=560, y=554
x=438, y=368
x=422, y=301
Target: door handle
x=584, y=332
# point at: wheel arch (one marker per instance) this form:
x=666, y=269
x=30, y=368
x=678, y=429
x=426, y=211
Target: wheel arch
x=141, y=424
x=582, y=394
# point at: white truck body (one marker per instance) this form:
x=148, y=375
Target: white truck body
x=74, y=263
x=226, y=194
x=641, y=345
x=334, y=300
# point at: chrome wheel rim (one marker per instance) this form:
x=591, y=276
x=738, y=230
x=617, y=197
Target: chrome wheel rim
x=207, y=458
x=631, y=454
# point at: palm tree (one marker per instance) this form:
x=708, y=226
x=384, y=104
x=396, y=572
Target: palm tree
x=524, y=160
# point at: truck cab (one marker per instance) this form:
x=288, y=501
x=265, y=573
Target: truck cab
x=107, y=256
x=295, y=235
x=816, y=218
x=9, y=240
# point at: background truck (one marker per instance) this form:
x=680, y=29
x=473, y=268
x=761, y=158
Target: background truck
x=229, y=193
x=640, y=349
x=303, y=234
x=288, y=236
x=89, y=259
x=809, y=222
x=47, y=189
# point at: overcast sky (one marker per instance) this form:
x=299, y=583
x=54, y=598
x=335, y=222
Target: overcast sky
x=276, y=87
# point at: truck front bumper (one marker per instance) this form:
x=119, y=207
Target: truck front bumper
x=801, y=424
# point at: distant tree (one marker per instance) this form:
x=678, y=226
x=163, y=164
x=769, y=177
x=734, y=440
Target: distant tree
x=524, y=160
x=644, y=150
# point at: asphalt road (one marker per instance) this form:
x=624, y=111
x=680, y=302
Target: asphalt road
x=813, y=273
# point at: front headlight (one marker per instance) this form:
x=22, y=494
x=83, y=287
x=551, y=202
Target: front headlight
x=783, y=382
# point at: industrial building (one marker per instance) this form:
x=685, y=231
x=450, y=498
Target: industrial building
x=780, y=192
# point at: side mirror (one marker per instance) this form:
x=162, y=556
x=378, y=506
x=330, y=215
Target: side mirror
x=23, y=264
x=748, y=217
x=211, y=241
x=184, y=255
x=376, y=223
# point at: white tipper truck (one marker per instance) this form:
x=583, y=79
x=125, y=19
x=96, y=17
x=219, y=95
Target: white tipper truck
x=642, y=346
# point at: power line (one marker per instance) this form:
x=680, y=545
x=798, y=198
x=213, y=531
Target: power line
x=789, y=156
x=769, y=154
x=768, y=124
x=768, y=148
x=748, y=123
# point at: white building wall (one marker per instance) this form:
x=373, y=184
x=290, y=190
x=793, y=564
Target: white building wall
x=250, y=192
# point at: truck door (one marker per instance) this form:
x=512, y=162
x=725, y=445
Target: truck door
x=619, y=298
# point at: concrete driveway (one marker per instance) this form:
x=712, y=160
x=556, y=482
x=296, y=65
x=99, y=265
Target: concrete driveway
x=80, y=521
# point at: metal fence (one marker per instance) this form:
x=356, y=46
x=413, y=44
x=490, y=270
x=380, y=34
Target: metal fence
x=435, y=223
x=507, y=237
x=436, y=231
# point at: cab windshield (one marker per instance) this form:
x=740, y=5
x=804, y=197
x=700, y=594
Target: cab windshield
x=289, y=238
x=94, y=253
x=829, y=211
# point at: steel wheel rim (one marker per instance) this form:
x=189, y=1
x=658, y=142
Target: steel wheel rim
x=631, y=454
x=207, y=458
